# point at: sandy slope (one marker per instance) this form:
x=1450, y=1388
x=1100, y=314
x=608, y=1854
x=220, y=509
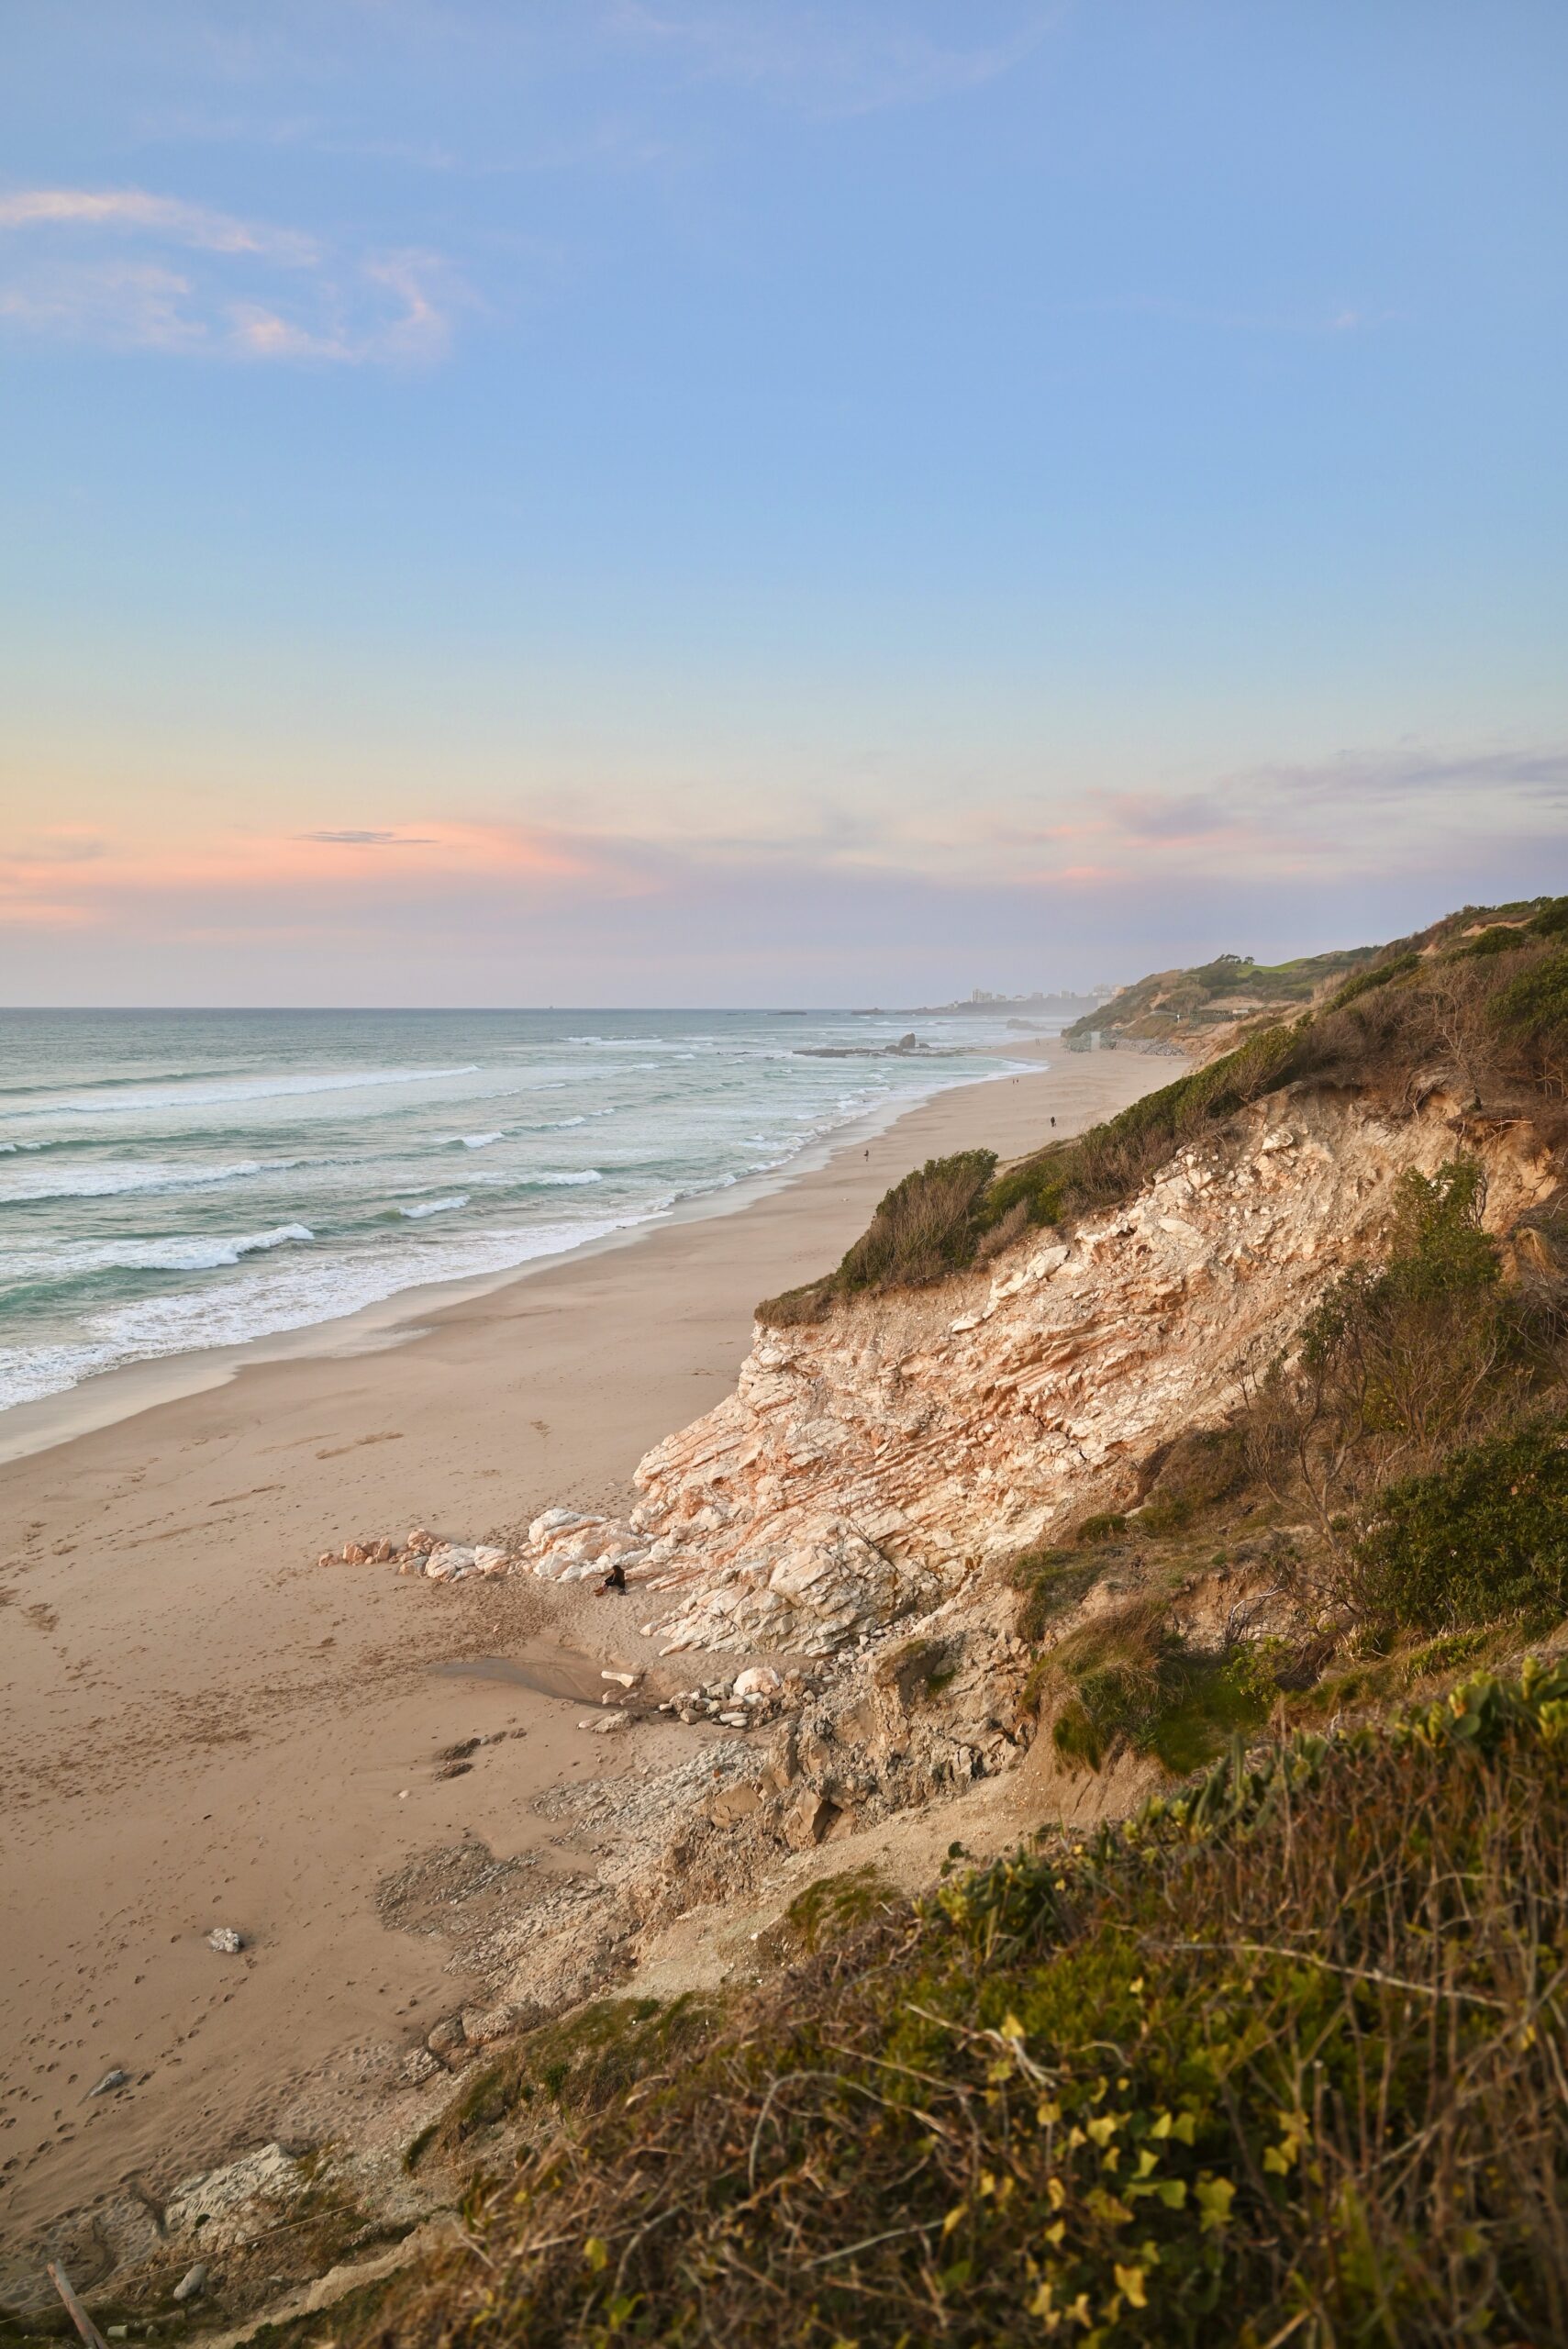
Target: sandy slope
x=199, y=1725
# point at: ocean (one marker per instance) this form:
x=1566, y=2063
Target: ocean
x=171, y=1181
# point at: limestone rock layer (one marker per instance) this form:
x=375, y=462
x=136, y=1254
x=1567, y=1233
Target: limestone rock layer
x=867, y=1466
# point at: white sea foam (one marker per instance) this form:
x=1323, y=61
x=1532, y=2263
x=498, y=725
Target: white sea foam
x=104, y=1256
x=114, y=1179
x=287, y=1296
x=73, y=1259
x=200, y=1094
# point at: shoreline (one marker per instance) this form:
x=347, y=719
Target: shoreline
x=28, y=1429
x=201, y=1725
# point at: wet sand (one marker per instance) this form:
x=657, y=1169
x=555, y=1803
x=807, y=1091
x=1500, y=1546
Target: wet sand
x=199, y=1725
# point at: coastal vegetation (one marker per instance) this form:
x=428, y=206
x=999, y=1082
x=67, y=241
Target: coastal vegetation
x=1479, y=999
x=1280, y=2056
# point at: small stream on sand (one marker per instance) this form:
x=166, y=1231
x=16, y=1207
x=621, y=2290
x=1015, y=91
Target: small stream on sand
x=548, y=1673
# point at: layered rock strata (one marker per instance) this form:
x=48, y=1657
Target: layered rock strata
x=868, y=1465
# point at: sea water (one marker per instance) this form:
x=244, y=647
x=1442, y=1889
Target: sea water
x=176, y=1180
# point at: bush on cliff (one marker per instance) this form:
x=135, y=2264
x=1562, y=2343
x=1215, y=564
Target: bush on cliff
x=1279, y=2060
x=923, y=1230
x=1483, y=1538
x=1488, y=1013
x=1398, y=1365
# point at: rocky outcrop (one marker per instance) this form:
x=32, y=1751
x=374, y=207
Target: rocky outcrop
x=869, y=1466
x=423, y=1554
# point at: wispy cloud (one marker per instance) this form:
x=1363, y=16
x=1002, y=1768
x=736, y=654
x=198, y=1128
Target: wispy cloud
x=372, y=840
x=134, y=209
x=1452, y=823
x=1367, y=810
x=846, y=60
x=199, y=283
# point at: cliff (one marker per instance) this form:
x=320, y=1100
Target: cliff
x=873, y=1464
x=1241, y=1421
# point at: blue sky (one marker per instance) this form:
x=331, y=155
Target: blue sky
x=658, y=500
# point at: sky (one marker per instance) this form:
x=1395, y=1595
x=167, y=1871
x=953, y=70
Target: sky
x=750, y=502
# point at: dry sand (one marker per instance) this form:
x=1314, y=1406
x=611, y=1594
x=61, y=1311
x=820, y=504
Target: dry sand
x=202, y=1726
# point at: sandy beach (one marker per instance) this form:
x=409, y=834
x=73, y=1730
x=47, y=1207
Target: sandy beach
x=202, y=1726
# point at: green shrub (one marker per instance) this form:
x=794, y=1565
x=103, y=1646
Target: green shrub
x=1482, y=1537
x=1277, y=2062
x=1130, y=1682
x=795, y=1307
x=830, y=1911
x=1107, y=1163
x=1133, y=1684
x=1381, y=975
x=1396, y=1366
x=924, y=1228
x=1535, y=1004
x=1051, y=1582
x=589, y=2056
x=1502, y=938
x=1218, y=1698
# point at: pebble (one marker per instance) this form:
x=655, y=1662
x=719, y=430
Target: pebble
x=226, y=1940
x=192, y=2284
x=110, y=2080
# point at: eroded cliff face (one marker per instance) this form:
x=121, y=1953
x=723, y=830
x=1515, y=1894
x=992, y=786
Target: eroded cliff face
x=867, y=1467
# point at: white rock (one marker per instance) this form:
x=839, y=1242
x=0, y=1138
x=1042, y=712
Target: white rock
x=192, y=2284
x=611, y=1723
x=226, y=1940
x=758, y=1680
x=450, y=1562
x=551, y=1522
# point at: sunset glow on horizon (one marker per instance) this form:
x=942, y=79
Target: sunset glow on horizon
x=718, y=503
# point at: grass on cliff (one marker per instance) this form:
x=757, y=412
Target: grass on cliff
x=1285, y=2059
x=1415, y=1432
x=1487, y=1015
x=1282, y=2059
